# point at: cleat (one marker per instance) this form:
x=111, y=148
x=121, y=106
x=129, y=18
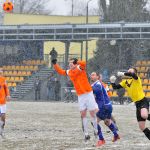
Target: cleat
x=100, y=143
x=116, y=138
x=87, y=137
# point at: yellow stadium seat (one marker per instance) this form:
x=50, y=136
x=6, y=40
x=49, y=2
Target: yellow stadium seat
x=23, y=73
x=142, y=68
x=144, y=63
x=10, y=73
x=21, y=79
x=15, y=73
x=19, y=73
x=138, y=63
x=43, y=62
x=7, y=79
x=9, y=84
x=110, y=86
x=17, y=67
x=38, y=62
x=14, y=84
x=12, y=79
x=144, y=87
x=9, y=68
x=114, y=94
x=146, y=81
x=21, y=67
x=148, y=88
x=126, y=94
x=31, y=68
x=5, y=73
x=28, y=73
x=17, y=79
x=33, y=62
x=26, y=68
x=29, y=62
x=148, y=94
x=35, y=68
x=138, y=68
x=13, y=67
x=4, y=67
x=142, y=75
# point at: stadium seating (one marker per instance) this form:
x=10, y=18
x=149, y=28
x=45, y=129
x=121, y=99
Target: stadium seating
x=17, y=73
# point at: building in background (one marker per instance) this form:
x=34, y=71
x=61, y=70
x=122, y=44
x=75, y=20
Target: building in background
x=75, y=48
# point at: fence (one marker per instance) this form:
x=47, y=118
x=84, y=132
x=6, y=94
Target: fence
x=68, y=94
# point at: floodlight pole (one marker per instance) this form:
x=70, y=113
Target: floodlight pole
x=87, y=21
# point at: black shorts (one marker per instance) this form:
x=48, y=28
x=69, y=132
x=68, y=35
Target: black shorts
x=144, y=103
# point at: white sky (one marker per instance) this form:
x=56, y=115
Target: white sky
x=63, y=7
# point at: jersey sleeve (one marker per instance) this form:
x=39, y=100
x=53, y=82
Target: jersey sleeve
x=96, y=88
x=123, y=83
x=60, y=70
x=82, y=64
x=6, y=89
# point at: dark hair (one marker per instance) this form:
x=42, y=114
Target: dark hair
x=73, y=59
x=135, y=70
x=97, y=73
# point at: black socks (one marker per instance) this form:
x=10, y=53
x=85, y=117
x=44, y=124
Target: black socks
x=147, y=133
x=148, y=117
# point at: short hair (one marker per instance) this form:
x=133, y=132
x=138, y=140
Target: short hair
x=135, y=70
x=97, y=73
x=73, y=59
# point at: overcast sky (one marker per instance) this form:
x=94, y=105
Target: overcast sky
x=63, y=7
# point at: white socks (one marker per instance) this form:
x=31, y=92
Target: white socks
x=1, y=127
x=94, y=121
x=85, y=126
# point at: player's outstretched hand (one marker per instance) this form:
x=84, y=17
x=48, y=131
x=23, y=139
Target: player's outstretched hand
x=75, y=61
x=113, y=79
x=54, y=61
x=120, y=74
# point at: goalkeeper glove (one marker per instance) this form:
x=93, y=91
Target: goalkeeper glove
x=120, y=74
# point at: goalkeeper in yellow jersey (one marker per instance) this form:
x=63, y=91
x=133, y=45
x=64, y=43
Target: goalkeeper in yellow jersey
x=133, y=86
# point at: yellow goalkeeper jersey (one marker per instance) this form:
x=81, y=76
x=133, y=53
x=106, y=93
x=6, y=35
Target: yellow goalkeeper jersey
x=134, y=89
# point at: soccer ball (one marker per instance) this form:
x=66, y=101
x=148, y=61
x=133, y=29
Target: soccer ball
x=113, y=42
x=8, y=6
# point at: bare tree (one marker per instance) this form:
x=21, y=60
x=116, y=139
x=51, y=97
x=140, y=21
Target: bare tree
x=79, y=8
x=31, y=6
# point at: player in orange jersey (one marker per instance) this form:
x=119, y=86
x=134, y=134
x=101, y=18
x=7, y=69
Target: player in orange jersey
x=4, y=96
x=86, y=100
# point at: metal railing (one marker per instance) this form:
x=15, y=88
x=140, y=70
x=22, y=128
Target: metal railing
x=75, y=32
x=68, y=94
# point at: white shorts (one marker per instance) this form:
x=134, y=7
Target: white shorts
x=87, y=101
x=3, y=109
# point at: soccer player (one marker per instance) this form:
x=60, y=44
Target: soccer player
x=4, y=96
x=86, y=100
x=105, y=108
x=109, y=94
x=133, y=86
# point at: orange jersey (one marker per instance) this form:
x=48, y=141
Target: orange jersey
x=4, y=91
x=78, y=77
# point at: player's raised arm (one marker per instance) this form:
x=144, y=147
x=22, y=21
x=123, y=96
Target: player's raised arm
x=58, y=68
x=82, y=64
x=114, y=85
x=130, y=74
